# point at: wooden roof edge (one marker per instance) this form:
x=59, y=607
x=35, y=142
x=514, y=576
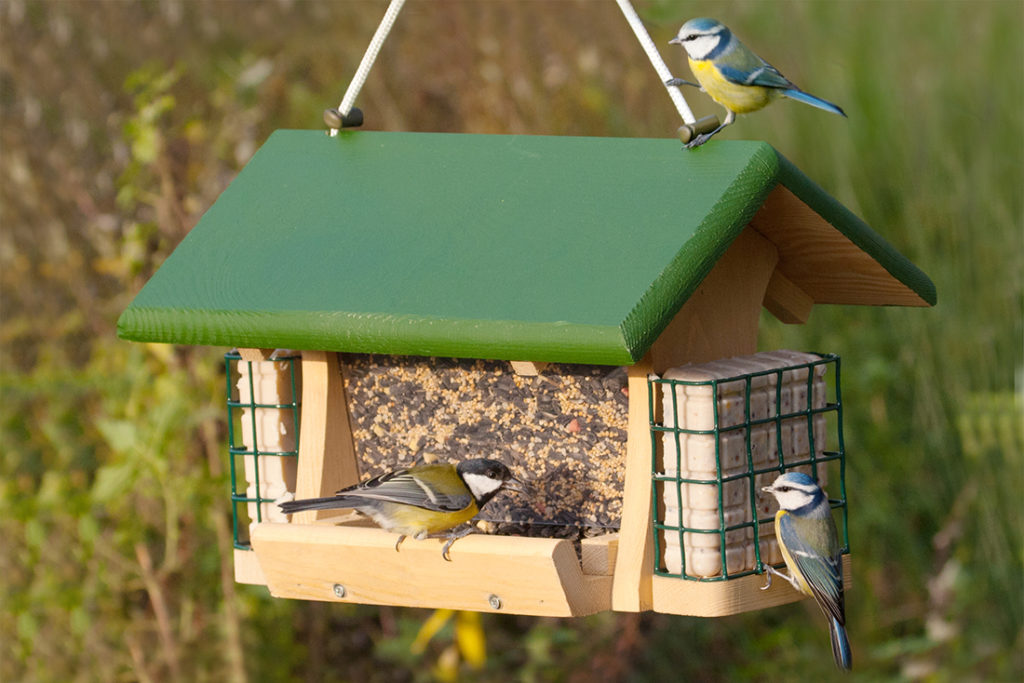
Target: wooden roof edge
x=856, y=230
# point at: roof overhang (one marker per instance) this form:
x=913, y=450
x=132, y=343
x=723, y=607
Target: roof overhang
x=544, y=248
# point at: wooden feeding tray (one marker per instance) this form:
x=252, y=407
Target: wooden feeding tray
x=553, y=271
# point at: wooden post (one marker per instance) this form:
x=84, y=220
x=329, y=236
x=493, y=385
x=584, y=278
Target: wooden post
x=634, y=564
x=327, y=456
x=721, y=318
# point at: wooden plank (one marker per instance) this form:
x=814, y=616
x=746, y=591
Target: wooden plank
x=825, y=263
x=597, y=554
x=634, y=563
x=327, y=456
x=535, y=576
x=786, y=301
x=255, y=355
x=722, y=598
x=247, y=568
x=525, y=368
x=721, y=317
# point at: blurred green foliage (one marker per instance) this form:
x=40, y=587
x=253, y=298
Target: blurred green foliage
x=120, y=123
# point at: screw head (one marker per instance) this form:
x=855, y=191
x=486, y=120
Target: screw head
x=339, y=590
x=494, y=601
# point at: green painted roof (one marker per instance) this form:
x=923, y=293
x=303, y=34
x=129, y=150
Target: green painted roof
x=540, y=248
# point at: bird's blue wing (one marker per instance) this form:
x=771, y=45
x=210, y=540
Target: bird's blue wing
x=762, y=74
x=823, y=572
x=406, y=488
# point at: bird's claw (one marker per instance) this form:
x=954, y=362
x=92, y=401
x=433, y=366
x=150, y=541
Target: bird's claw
x=399, y=542
x=452, y=538
x=698, y=141
x=771, y=571
x=676, y=82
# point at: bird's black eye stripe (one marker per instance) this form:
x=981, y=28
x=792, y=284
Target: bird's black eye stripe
x=784, y=488
x=692, y=36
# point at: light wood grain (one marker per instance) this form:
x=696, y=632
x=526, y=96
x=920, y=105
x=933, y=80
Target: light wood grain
x=526, y=368
x=255, y=355
x=597, y=554
x=327, y=456
x=823, y=262
x=786, y=301
x=634, y=563
x=722, y=598
x=247, y=568
x=536, y=576
x=721, y=318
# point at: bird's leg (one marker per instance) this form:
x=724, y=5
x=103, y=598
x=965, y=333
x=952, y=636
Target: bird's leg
x=676, y=82
x=704, y=137
x=772, y=571
x=454, y=536
x=399, y=542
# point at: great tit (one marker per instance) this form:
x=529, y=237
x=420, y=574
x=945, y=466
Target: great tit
x=810, y=545
x=422, y=500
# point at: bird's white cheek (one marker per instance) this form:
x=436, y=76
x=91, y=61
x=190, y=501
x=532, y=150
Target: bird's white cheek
x=792, y=500
x=481, y=485
x=698, y=48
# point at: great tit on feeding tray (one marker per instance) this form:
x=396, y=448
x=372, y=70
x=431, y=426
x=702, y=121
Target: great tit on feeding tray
x=422, y=500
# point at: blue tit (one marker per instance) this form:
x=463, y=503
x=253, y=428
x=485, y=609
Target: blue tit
x=422, y=500
x=809, y=543
x=732, y=75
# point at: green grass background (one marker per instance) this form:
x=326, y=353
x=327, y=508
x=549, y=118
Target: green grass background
x=120, y=123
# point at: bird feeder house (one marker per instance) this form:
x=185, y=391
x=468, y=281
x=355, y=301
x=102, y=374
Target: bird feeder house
x=583, y=309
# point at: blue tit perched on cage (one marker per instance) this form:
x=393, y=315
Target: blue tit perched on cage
x=422, y=500
x=810, y=546
x=733, y=75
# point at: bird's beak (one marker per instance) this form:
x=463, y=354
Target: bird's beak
x=518, y=485
x=767, y=489
x=675, y=41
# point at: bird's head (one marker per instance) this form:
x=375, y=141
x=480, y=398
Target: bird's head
x=702, y=37
x=795, y=490
x=485, y=477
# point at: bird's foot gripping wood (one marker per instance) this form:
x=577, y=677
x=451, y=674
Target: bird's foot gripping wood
x=703, y=135
x=772, y=571
x=454, y=536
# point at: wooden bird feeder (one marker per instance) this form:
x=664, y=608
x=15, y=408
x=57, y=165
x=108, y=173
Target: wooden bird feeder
x=567, y=305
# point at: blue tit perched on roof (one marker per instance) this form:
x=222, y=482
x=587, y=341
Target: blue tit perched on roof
x=733, y=75
x=422, y=500
x=810, y=545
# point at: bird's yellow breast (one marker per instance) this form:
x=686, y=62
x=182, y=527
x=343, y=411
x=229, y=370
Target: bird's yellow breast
x=738, y=98
x=413, y=521
x=793, y=570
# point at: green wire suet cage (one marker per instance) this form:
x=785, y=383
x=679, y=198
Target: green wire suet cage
x=252, y=450
x=766, y=424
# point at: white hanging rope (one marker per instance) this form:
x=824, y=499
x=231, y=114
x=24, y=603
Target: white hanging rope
x=359, y=79
x=368, y=58
x=656, y=61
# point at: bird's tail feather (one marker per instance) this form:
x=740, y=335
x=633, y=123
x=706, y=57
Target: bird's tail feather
x=807, y=98
x=292, y=506
x=840, y=645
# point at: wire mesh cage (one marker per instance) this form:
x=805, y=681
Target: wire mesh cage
x=263, y=437
x=729, y=428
